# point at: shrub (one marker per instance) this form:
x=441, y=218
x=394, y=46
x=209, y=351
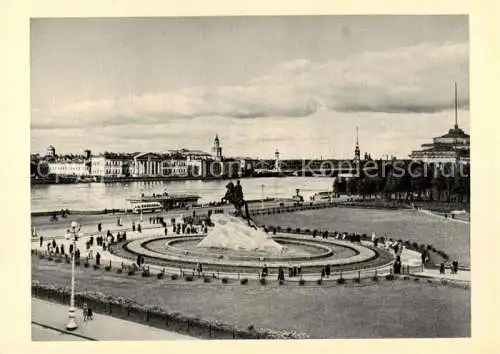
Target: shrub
x=281, y=282
x=357, y=280
x=174, y=277
x=86, y=264
x=416, y=279
x=263, y=281
x=297, y=230
x=58, y=260
x=146, y=273
x=188, y=278
x=119, y=271
x=444, y=281
x=414, y=245
x=406, y=277
x=389, y=277
x=41, y=256
x=278, y=228
x=244, y=281
x=207, y=279
x=340, y=281
x=131, y=272
x=50, y=258
x=302, y=282
x=107, y=268
x=96, y=266
x=375, y=278
x=67, y=260
x=160, y=275
x=289, y=229
x=429, y=281
x=224, y=280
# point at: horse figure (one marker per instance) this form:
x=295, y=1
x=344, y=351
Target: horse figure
x=234, y=195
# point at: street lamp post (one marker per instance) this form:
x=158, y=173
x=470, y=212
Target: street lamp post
x=74, y=232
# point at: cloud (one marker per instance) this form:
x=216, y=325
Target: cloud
x=417, y=79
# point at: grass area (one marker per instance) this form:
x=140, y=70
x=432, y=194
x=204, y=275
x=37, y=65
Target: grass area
x=368, y=310
x=450, y=236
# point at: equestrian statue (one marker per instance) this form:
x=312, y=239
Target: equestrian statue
x=234, y=195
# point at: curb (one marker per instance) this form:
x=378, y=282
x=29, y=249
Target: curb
x=63, y=331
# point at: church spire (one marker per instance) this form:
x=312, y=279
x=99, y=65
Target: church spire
x=357, y=151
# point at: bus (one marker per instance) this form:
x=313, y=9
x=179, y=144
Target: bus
x=146, y=207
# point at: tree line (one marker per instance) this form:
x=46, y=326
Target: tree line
x=409, y=181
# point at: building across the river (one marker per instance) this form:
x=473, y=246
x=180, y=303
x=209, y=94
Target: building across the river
x=183, y=163
x=452, y=147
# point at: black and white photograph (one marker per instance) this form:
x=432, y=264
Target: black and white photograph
x=250, y=177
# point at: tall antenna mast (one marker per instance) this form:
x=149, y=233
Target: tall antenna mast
x=456, y=114
x=357, y=140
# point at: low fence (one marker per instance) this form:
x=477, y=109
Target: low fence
x=213, y=272
x=157, y=317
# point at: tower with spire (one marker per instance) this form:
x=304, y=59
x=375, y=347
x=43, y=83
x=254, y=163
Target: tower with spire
x=357, y=151
x=452, y=147
x=277, y=167
x=217, y=149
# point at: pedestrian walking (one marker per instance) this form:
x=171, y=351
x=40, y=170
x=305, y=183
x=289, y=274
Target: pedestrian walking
x=85, y=310
x=41, y=241
x=98, y=258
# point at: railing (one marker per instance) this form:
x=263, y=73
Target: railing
x=157, y=317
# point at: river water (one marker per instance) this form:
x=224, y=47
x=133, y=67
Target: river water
x=91, y=196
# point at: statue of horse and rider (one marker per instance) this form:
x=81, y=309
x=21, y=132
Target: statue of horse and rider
x=234, y=195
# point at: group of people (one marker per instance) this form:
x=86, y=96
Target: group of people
x=293, y=271
x=453, y=268
x=55, y=249
x=352, y=237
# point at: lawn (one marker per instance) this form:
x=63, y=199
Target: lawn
x=452, y=237
x=370, y=310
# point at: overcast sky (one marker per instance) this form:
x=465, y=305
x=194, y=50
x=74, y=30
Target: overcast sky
x=297, y=84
